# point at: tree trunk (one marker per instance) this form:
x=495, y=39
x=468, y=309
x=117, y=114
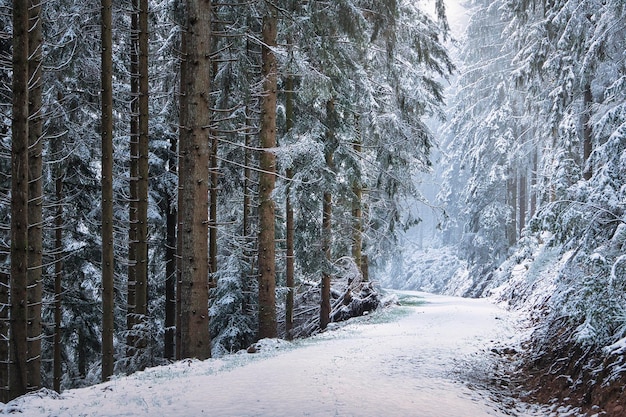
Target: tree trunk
x=267, y=178
x=35, y=196
x=134, y=175
x=587, y=133
x=533, y=183
x=289, y=261
x=194, y=185
x=4, y=334
x=326, y=243
x=58, y=281
x=357, y=191
x=141, y=278
x=107, y=193
x=511, y=227
x=523, y=201
x=327, y=210
x=170, y=261
x=365, y=271
x=19, y=203
x=182, y=132
x=213, y=168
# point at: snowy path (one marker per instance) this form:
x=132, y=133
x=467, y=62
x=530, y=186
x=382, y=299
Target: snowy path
x=409, y=366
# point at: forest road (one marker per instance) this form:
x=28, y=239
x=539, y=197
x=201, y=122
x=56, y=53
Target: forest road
x=428, y=363
x=427, y=360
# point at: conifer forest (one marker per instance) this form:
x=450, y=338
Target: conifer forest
x=181, y=179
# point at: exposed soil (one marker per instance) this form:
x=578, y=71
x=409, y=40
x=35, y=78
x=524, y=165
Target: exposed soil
x=573, y=380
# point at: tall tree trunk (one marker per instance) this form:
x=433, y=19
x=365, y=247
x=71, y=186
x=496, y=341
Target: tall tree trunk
x=35, y=196
x=170, y=260
x=267, y=179
x=533, y=183
x=194, y=189
x=58, y=281
x=5, y=280
x=213, y=168
x=587, y=132
x=182, y=134
x=523, y=201
x=511, y=228
x=365, y=268
x=134, y=175
x=357, y=191
x=58, y=176
x=107, y=192
x=290, y=260
x=327, y=210
x=326, y=247
x=141, y=278
x=19, y=203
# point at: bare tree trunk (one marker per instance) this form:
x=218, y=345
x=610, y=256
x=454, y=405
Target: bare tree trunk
x=194, y=189
x=213, y=168
x=58, y=281
x=182, y=114
x=107, y=192
x=327, y=210
x=326, y=244
x=35, y=196
x=523, y=201
x=141, y=279
x=357, y=191
x=290, y=261
x=587, y=132
x=134, y=175
x=18, y=383
x=170, y=261
x=511, y=231
x=533, y=183
x=267, y=179
x=5, y=280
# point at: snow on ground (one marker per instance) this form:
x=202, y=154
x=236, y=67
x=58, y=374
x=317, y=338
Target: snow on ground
x=413, y=360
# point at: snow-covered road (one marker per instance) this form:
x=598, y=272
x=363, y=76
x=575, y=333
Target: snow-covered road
x=411, y=361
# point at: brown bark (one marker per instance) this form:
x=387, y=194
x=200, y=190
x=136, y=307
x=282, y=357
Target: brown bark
x=5, y=279
x=213, y=210
x=327, y=208
x=533, y=184
x=58, y=282
x=182, y=114
x=35, y=196
x=289, y=261
x=357, y=214
x=141, y=278
x=587, y=132
x=194, y=188
x=326, y=242
x=57, y=346
x=170, y=262
x=18, y=382
x=133, y=174
x=107, y=192
x=511, y=230
x=523, y=203
x=267, y=179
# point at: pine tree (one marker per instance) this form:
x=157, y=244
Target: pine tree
x=35, y=197
x=194, y=185
x=108, y=269
x=267, y=250
x=18, y=382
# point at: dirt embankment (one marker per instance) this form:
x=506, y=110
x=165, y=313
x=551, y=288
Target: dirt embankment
x=571, y=378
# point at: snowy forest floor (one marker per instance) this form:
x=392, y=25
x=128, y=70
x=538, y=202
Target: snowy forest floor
x=432, y=356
